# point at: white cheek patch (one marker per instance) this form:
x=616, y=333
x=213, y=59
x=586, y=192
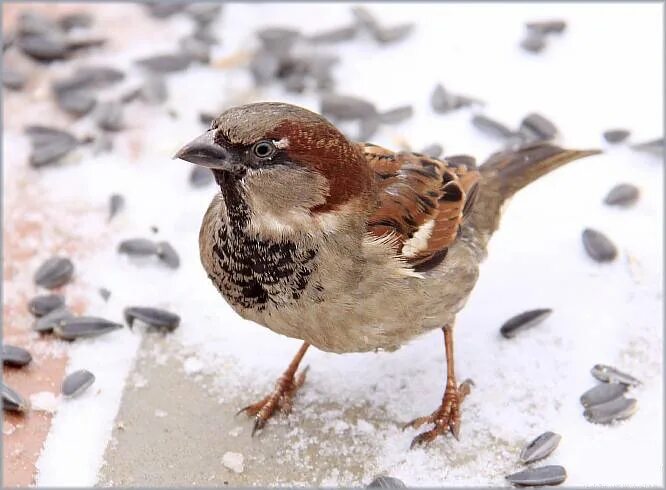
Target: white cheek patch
x=281, y=144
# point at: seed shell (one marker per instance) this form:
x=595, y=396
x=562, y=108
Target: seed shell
x=77, y=382
x=13, y=79
x=343, y=107
x=386, y=482
x=491, y=127
x=166, y=63
x=155, y=317
x=138, y=247
x=654, y=146
x=116, y=204
x=168, y=255
x=605, y=413
x=538, y=126
x=533, y=42
x=602, y=393
x=544, y=475
x=43, y=304
x=109, y=116
x=15, y=356
x=622, y=195
x=616, y=135
x=12, y=401
x=49, y=321
x=84, y=327
x=334, y=35
x=598, y=246
x=540, y=448
x=548, y=26
x=524, y=321
x=75, y=102
x=609, y=374
x=54, y=272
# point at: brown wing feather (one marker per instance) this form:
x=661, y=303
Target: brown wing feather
x=422, y=201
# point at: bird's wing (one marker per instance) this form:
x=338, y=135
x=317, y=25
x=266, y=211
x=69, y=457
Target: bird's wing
x=422, y=201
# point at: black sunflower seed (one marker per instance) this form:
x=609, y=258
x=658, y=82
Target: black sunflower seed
x=534, y=42
x=386, y=482
x=83, y=327
x=155, y=317
x=138, y=247
x=13, y=79
x=84, y=43
x=54, y=272
x=540, y=448
x=491, y=127
x=598, y=246
x=547, y=27
x=43, y=47
x=602, y=393
x=77, y=382
x=334, y=35
x=616, y=135
x=538, y=126
x=622, y=195
x=386, y=35
x=166, y=63
x=618, y=409
x=162, y=10
x=545, y=475
x=343, y=107
x=116, y=204
x=168, y=254
x=12, y=401
x=15, y=356
x=81, y=20
x=105, y=294
x=45, y=304
x=434, y=151
x=53, y=318
x=396, y=115
x=201, y=176
x=89, y=77
x=609, y=374
x=654, y=146
x=76, y=102
x=523, y=321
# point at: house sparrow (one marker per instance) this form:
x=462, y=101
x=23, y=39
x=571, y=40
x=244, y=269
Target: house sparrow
x=348, y=246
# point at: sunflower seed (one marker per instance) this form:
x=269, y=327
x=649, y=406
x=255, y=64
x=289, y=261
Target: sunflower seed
x=655, y=146
x=433, y=151
x=138, y=247
x=45, y=304
x=15, y=356
x=534, y=42
x=84, y=43
x=12, y=79
x=386, y=35
x=53, y=318
x=538, y=126
x=109, y=116
x=168, y=255
x=49, y=144
x=618, y=409
x=203, y=13
x=43, y=47
x=598, y=246
x=30, y=22
x=278, y=40
x=54, y=272
x=162, y=10
x=116, y=204
x=523, y=321
x=491, y=127
x=616, y=135
x=343, y=107
x=166, y=63
x=334, y=35
x=75, y=102
x=76, y=20
x=159, y=319
x=77, y=382
x=396, y=115
x=89, y=77
x=622, y=195
x=545, y=475
x=105, y=294
x=602, y=393
x=609, y=374
x=196, y=49
x=201, y=176
x=540, y=448
x=12, y=401
x=443, y=101
x=386, y=482
x=154, y=90
x=204, y=35
x=547, y=27
x=83, y=327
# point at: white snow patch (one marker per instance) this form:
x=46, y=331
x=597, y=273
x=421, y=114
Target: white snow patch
x=233, y=461
x=44, y=401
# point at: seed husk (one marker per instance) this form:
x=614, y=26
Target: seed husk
x=116, y=204
x=386, y=482
x=538, y=126
x=598, y=246
x=53, y=318
x=105, y=294
x=491, y=127
x=605, y=413
x=76, y=102
x=77, y=382
x=15, y=356
x=206, y=118
x=167, y=254
x=434, y=151
x=77, y=19
x=162, y=10
x=138, y=247
x=544, y=475
x=367, y=128
x=602, y=393
x=44, y=304
x=49, y=144
x=654, y=146
x=54, y=272
x=31, y=22
x=540, y=448
x=547, y=27
x=109, y=116
x=89, y=77
x=396, y=115
x=622, y=195
x=84, y=43
x=534, y=42
x=344, y=107
x=12, y=401
x=201, y=176
x=524, y=321
x=443, y=101
x=166, y=63
x=616, y=135
x=334, y=35
x=386, y=35
x=13, y=79
x=609, y=374
x=43, y=47
x=84, y=327
x=155, y=317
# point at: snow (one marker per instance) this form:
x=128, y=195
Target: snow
x=603, y=72
x=233, y=461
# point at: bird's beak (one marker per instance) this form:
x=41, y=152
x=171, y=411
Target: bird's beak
x=205, y=152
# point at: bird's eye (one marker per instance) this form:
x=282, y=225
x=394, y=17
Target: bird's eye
x=264, y=149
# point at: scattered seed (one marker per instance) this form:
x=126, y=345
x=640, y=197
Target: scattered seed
x=159, y=319
x=203, y=34
x=534, y=42
x=76, y=20
x=75, y=102
x=655, y=146
x=204, y=13
x=196, y=49
x=602, y=393
x=83, y=327
x=598, y=246
x=45, y=304
x=43, y=47
x=54, y=272
x=547, y=27
x=545, y=475
x=618, y=409
x=540, y=448
x=334, y=35
x=77, y=382
x=443, y=101
x=154, y=90
x=491, y=127
x=105, y=294
x=616, y=135
x=12, y=401
x=89, y=77
x=116, y=204
x=162, y=10
x=386, y=35
x=524, y=321
x=84, y=43
x=434, y=151
x=53, y=318
x=109, y=116
x=343, y=107
x=138, y=247
x=538, y=126
x=166, y=63
x=396, y=115
x=201, y=176
x=49, y=144
x=386, y=482
x=168, y=255
x=13, y=79
x=609, y=374
x=622, y=195
x=15, y=356
x=278, y=40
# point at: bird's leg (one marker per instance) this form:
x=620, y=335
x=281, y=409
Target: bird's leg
x=447, y=416
x=282, y=395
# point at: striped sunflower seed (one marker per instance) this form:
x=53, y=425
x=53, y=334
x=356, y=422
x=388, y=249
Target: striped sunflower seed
x=49, y=321
x=155, y=317
x=602, y=393
x=605, y=413
x=12, y=401
x=44, y=304
x=540, y=448
x=84, y=327
x=54, y=272
x=524, y=321
x=609, y=374
x=77, y=382
x=544, y=475
x=15, y=356
x=598, y=246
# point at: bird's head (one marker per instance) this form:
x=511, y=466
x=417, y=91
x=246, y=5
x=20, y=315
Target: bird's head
x=284, y=157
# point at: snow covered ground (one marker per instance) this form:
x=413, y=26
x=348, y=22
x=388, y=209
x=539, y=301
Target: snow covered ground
x=604, y=71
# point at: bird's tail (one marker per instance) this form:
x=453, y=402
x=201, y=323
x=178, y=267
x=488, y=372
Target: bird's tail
x=508, y=171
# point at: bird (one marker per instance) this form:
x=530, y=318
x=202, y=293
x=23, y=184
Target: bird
x=348, y=246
